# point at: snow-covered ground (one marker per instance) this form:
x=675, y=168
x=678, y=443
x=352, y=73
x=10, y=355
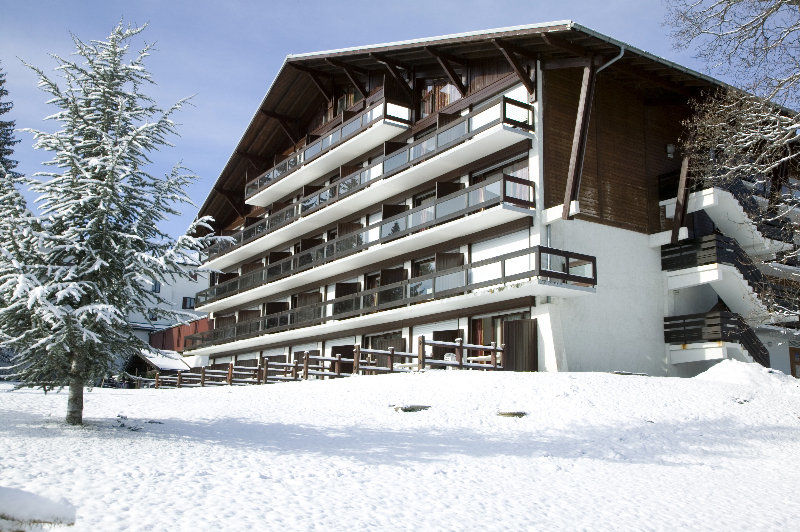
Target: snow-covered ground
x=596, y=451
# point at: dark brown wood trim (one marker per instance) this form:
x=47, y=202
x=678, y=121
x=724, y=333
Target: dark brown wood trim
x=579, y=139
x=349, y=71
x=680, y=201
x=563, y=44
x=518, y=69
x=314, y=75
x=570, y=62
x=392, y=68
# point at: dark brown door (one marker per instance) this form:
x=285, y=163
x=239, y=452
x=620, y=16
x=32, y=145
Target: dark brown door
x=446, y=261
x=391, y=276
x=521, y=346
x=349, y=304
x=445, y=336
x=347, y=352
x=446, y=188
x=794, y=361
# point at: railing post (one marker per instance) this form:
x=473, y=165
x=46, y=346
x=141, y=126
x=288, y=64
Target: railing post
x=157, y=383
x=202, y=376
x=338, y=366
x=391, y=359
x=421, y=353
x=356, y=358
x=501, y=361
x=258, y=375
x=178, y=380
x=230, y=374
x=493, y=355
x=295, y=369
x=305, y=366
x=460, y=353
x=266, y=370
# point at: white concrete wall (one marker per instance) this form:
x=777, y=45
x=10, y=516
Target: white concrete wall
x=778, y=344
x=173, y=295
x=621, y=326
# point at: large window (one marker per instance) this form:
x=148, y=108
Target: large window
x=435, y=94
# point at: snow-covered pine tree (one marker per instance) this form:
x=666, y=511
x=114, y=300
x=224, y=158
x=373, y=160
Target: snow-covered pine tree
x=7, y=139
x=98, y=245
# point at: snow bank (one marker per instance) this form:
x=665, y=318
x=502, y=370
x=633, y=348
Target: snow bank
x=595, y=452
x=24, y=507
x=747, y=374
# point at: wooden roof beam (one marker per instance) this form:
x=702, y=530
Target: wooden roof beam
x=516, y=66
x=315, y=78
x=254, y=159
x=579, y=139
x=452, y=75
x=565, y=45
x=350, y=71
x=392, y=68
x=234, y=200
x=661, y=82
x=281, y=119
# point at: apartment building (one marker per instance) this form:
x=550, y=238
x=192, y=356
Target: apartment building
x=515, y=185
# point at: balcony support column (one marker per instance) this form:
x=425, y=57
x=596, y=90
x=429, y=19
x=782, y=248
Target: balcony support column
x=681, y=202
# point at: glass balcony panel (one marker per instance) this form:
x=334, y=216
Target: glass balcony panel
x=397, y=111
x=582, y=268
x=449, y=281
x=451, y=205
x=423, y=148
x=348, y=305
x=481, y=119
x=554, y=263
x=309, y=203
x=370, y=300
x=349, y=242
x=517, y=113
x=390, y=295
x=349, y=183
x=395, y=161
x=351, y=127
x=422, y=216
x=454, y=133
x=420, y=288
x=304, y=258
x=395, y=226
x=487, y=272
x=485, y=193
x=517, y=265
x=312, y=150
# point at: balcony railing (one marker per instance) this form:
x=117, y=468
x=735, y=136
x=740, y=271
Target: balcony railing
x=488, y=193
x=716, y=326
x=548, y=263
x=718, y=249
x=500, y=110
x=380, y=110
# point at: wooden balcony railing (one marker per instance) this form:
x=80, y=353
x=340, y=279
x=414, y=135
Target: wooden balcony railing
x=486, y=194
x=715, y=326
x=548, y=263
x=453, y=133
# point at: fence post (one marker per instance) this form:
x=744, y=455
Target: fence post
x=258, y=373
x=202, y=376
x=460, y=353
x=421, y=353
x=230, y=374
x=493, y=355
x=356, y=358
x=157, y=383
x=178, y=381
x=295, y=368
x=339, y=365
x=391, y=359
x=501, y=362
x=265, y=373
x=305, y=366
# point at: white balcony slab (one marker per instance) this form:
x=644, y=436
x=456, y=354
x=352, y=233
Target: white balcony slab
x=533, y=287
x=729, y=284
x=490, y=141
x=728, y=214
x=372, y=137
x=706, y=351
x=473, y=223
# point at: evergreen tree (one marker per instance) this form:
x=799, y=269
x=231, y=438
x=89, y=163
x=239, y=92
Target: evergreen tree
x=7, y=140
x=88, y=260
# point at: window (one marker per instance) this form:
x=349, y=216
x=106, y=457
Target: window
x=152, y=315
x=188, y=303
x=421, y=267
x=436, y=94
x=156, y=289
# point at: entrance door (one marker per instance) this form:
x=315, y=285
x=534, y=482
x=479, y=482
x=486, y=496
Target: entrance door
x=521, y=346
x=794, y=361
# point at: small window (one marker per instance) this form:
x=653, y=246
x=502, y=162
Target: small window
x=188, y=303
x=152, y=315
x=156, y=287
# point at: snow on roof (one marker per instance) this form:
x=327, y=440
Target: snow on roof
x=165, y=360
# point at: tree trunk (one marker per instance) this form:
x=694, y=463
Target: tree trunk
x=75, y=400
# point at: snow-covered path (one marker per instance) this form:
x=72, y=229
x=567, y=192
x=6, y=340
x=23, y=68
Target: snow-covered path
x=596, y=451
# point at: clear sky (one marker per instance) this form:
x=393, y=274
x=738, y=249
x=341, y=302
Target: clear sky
x=226, y=52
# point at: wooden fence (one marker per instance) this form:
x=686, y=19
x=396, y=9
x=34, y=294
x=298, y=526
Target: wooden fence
x=364, y=362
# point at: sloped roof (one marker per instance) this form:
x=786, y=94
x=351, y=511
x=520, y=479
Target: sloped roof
x=293, y=94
